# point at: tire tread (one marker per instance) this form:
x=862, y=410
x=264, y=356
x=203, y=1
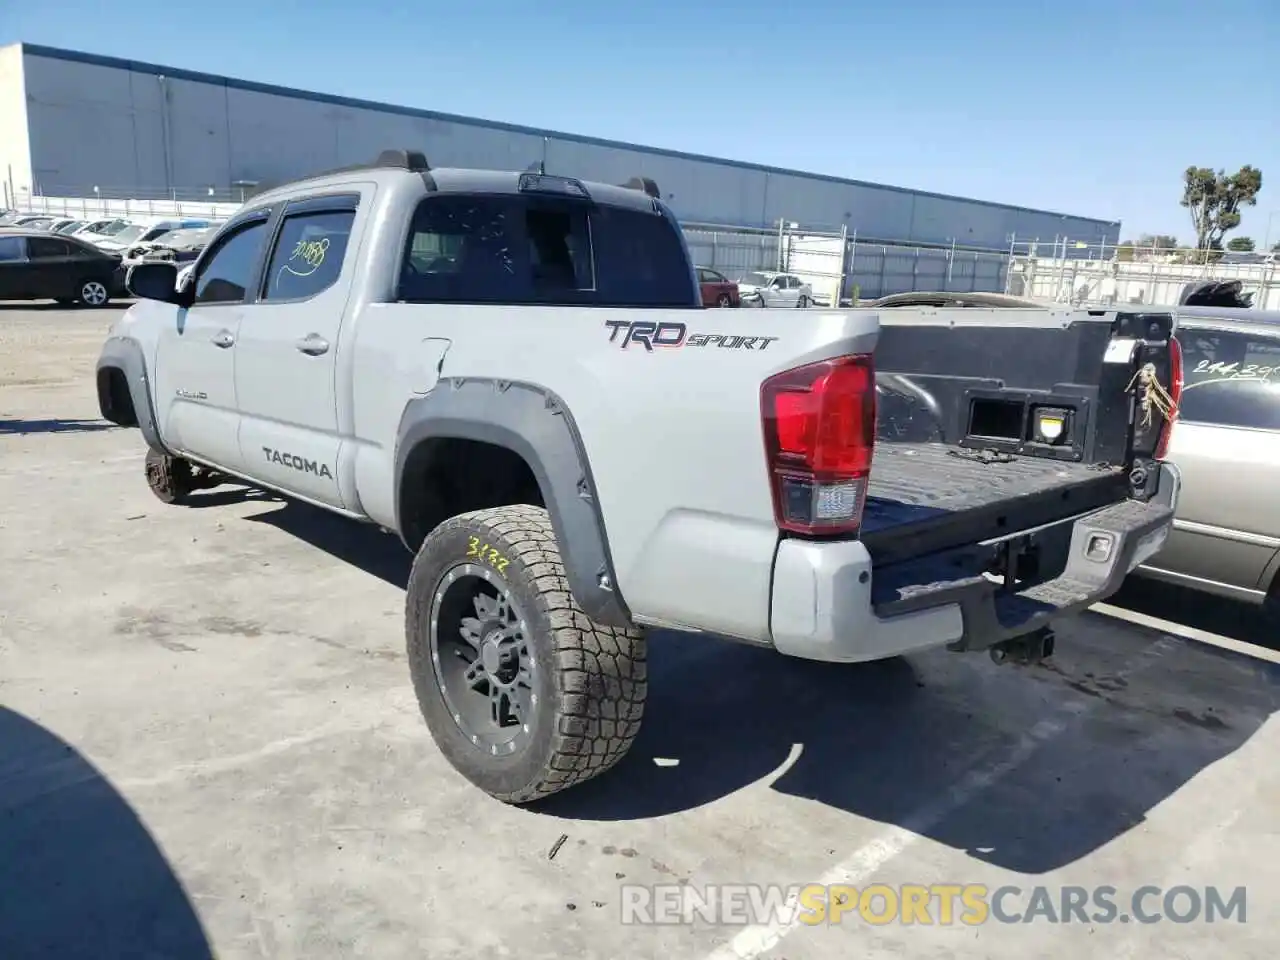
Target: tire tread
x=602, y=671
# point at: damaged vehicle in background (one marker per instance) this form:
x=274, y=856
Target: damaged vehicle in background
x=771, y=289
x=176, y=246
x=146, y=231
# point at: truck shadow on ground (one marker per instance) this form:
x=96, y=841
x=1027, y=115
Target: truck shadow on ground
x=1077, y=751
x=1082, y=746
x=54, y=426
x=82, y=877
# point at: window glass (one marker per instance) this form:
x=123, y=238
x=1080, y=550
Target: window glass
x=1230, y=379
x=309, y=254
x=559, y=249
x=463, y=250
x=640, y=260
x=11, y=248
x=226, y=276
x=714, y=277
x=42, y=248
x=485, y=249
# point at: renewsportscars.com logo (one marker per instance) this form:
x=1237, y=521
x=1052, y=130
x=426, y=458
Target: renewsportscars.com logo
x=937, y=904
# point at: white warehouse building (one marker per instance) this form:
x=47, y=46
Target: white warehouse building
x=71, y=122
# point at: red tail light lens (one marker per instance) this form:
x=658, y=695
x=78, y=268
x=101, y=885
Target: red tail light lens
x=819, y=433
x=1175, y=392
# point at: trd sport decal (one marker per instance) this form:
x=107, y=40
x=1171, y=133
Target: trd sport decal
x=673, y=335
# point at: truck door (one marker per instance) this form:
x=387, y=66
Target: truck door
x=288, y=344
x=195, y=390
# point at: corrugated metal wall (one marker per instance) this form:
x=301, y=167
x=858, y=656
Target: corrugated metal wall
x=133, y=131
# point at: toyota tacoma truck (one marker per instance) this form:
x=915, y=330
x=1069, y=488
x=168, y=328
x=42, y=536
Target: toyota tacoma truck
x=513, y=373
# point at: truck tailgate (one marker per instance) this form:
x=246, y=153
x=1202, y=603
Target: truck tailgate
x=925, y=497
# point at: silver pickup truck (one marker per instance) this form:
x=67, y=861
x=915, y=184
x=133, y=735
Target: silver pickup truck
x=514, y=373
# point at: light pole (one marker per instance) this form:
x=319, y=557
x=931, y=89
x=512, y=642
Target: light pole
x=1266, y=244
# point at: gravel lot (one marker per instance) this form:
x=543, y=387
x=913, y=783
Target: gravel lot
x=209, y=746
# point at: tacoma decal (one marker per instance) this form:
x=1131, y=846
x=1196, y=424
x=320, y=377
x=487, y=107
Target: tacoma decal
x=297, y=462
x=673, y=335
x=191, y=395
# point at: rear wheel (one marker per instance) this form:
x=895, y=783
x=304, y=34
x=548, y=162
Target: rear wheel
x=171, y=479
x=523, y=694
x=802, y=302
x=93, y=293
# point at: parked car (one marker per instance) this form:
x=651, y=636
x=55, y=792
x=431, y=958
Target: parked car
x=769, y=289
x=717, y=289
x=33, y=222
x=179, y=246
x=97, y=229
x=69, y=227
x=146, y=232
x=35, y=265
x=1226, y=443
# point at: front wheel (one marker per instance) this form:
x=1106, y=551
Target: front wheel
x=171, y=479
x=724, y=300
x=523, y=693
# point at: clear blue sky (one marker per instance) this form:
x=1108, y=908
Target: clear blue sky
x=1085, y=107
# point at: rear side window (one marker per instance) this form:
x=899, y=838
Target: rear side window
x=535, y=250
x=1230, y=379
x=43, y=248
x=640, y=260
x=11, y=248
x=308, y=255
x=465, y=250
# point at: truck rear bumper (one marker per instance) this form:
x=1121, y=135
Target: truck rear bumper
x=829, y=604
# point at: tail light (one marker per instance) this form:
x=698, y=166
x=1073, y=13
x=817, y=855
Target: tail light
x=819, y=434
x=1175, y=393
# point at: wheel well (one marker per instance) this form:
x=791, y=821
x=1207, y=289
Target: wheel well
x=114, y=399
x=446, y=476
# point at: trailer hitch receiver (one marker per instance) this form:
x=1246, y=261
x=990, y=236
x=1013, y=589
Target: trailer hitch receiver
x=1026, y=650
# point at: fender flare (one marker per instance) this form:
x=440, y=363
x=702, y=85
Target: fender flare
x=534, y=423
x=125, y=354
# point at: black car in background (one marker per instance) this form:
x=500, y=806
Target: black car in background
x=37, y=265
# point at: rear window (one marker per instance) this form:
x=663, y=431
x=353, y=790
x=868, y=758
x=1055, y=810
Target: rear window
x=1230, y=379
x=536, y=250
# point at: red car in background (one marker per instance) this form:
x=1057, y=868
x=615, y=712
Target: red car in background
x=717, y=289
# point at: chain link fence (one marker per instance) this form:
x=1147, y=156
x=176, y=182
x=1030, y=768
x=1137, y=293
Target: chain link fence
x=1149, y=275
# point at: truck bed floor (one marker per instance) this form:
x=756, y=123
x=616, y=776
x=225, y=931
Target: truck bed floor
x=931, y=496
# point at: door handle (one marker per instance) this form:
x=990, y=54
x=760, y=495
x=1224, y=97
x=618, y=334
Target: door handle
x=313, y=345
x=224, y=339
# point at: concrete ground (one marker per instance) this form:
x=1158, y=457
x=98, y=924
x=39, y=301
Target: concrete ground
x=209, y=746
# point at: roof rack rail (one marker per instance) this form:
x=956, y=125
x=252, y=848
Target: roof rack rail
x=644, y=184
x=538, y=166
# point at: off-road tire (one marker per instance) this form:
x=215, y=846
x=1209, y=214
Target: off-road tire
x=170, y=478
x=591, y=680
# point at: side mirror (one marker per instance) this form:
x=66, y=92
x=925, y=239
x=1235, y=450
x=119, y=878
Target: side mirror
x=156, y=281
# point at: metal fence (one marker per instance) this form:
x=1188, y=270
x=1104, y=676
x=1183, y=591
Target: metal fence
x=1142, y=276
x=844, y=266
